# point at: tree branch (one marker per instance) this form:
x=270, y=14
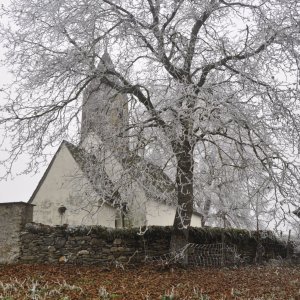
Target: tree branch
x=193, y=38
x=239, y=4
x=237, y=57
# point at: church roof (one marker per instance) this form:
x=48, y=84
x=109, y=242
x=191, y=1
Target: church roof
x=93, y=172
x=156, y=184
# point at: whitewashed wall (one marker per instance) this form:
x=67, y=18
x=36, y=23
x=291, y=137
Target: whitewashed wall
x=163, y=215
x=66, y=185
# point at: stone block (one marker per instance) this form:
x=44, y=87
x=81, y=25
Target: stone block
x=60, y=242
x=83, y=252
x=28, y=258
x=96, y=242
x=62, y=259
x=28, y=237
x=122, y=259
x=117, y=242
x=51, y=249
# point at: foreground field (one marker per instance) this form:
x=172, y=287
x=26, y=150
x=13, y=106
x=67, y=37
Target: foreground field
x=76, y=282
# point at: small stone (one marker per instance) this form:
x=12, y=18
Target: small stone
x=122, y=259
x=51, y=249
x=60, y=243
x=62, y=259
x=275, y=262
x=96, y=242
x=52, y=259
x=83, y=252
x=48, y=240
x=28, y=257
x=117, y=242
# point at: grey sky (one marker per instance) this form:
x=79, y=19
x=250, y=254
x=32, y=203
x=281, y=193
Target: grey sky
x=20, y=187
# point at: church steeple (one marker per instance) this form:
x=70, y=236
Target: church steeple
x=105, y=110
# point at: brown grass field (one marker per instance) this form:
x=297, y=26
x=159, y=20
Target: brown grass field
x=65, y=282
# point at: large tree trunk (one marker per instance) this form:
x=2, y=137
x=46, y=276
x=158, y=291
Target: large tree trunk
x=185, y=197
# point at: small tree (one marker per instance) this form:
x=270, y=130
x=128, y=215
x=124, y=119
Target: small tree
x=198, y=74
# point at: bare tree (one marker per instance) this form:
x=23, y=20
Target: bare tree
x=212, y=73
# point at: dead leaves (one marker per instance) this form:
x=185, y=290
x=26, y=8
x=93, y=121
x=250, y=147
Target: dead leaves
x=147, y=282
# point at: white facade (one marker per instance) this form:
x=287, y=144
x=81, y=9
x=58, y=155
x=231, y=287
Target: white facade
x=64, y=184
x=163, y=215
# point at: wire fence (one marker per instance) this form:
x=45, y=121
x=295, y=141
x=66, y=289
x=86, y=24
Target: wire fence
x=206, y=255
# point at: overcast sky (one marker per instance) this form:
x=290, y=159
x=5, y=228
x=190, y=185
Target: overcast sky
x=20, y=187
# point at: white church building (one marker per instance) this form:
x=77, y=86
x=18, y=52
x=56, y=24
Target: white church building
x=100, y=181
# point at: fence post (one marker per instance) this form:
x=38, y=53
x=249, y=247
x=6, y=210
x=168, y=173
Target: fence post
x=222, y=250
x=288, y=246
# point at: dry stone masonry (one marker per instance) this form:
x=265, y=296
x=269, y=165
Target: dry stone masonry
x=87, y=245
x=100, y=245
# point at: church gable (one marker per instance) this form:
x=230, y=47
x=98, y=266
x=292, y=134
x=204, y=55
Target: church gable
x=64, y=184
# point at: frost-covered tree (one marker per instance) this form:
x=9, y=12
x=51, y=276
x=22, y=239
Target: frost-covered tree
x=233, y=197
x=212, y=74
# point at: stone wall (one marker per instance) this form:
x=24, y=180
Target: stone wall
x=100, y=245
x=13, y=217
x=87, y=244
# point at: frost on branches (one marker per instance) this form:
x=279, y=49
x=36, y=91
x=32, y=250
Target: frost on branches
x=212, y=89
